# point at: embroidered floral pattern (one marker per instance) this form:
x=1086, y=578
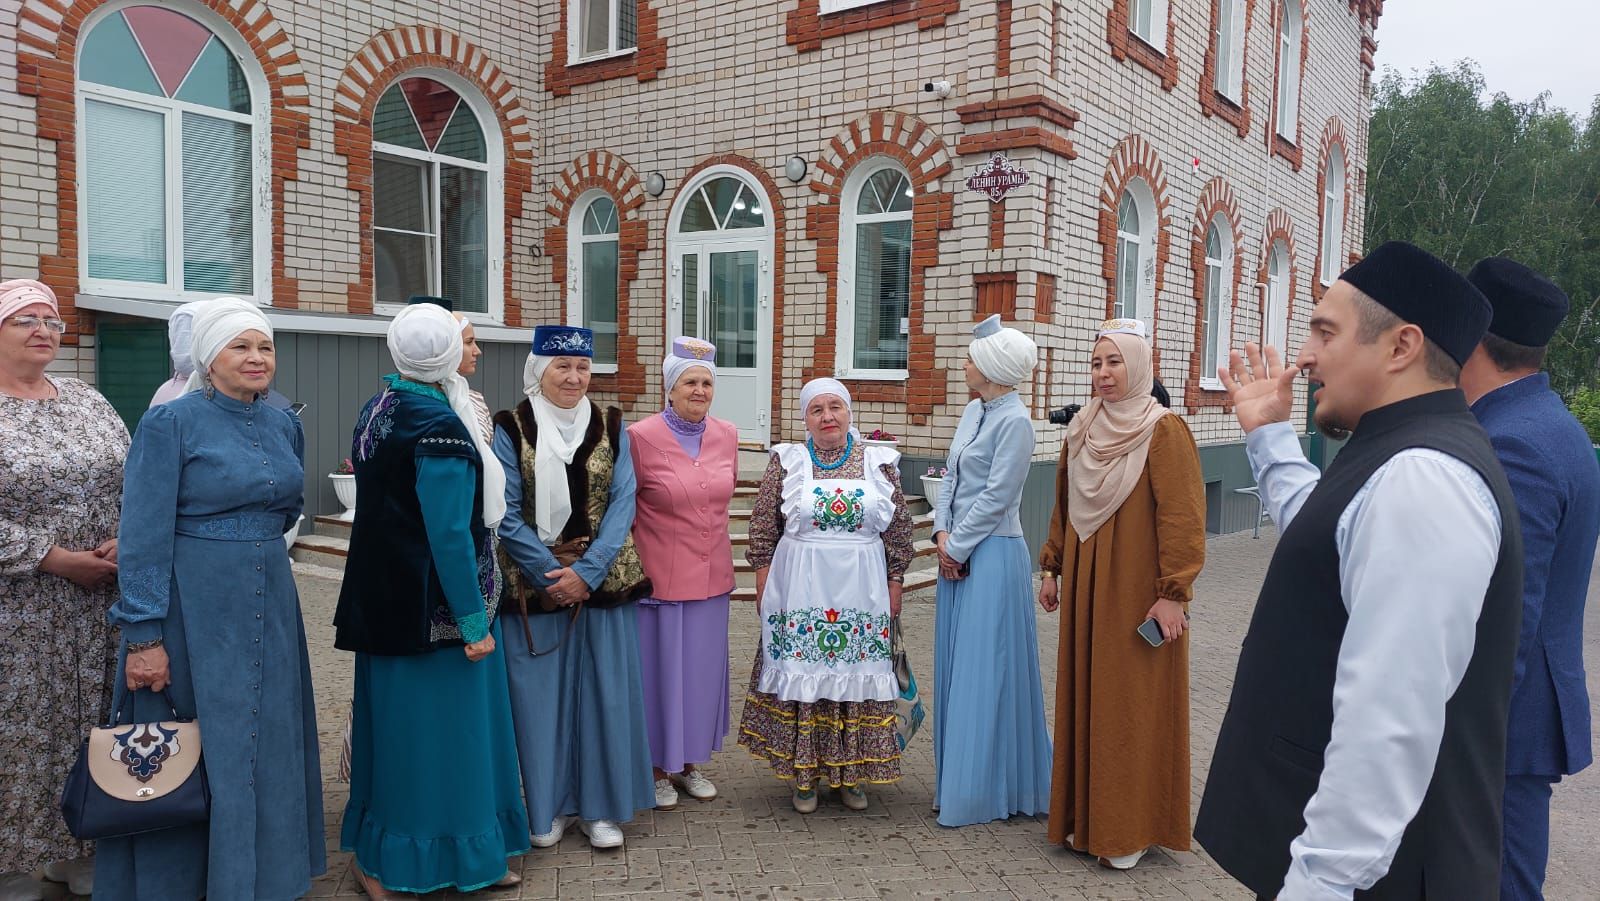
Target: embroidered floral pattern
x=565, y=343
x=842, y=511
x=374, y=424
x=144, y=748
x=828, y=636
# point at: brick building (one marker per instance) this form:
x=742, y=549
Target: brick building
x=772, y=174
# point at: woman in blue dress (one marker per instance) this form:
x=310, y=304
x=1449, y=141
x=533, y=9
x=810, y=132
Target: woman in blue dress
x=434, y=800
x=576, y=689
x=210, y=614
x=991, y=749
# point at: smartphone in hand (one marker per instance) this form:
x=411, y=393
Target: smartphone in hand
x=1150, y=631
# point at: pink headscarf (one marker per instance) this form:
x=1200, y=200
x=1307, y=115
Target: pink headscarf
x=25, y=292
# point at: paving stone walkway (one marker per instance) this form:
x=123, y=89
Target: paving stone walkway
x=750, y=844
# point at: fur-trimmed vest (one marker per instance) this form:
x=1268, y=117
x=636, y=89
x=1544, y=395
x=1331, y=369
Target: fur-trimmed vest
x=589, y=485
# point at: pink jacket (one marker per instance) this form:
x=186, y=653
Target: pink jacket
x=681, y=527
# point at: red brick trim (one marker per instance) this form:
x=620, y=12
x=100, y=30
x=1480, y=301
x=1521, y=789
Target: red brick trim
x=755, y=171
x=1002, y=40
x=1276, y=144
x=1215, y=199
x=1369, y=11
x=1280, y=227
x=1212, y=101
x=1369, y=53
x=645, y=63
x=388, y=56
x=1027, y=106
x=997, y=225
x=807, y=27
x=47, y=57
x=1133, y=157
x=995, y=292
x=1029, y=137
x=604, y=171
x=1125, y=45
x=1332, y=134
x=910, y=142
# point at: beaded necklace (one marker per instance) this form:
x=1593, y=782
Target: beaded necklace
x=849, y=445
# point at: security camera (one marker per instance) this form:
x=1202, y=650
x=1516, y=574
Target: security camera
x=939, y=88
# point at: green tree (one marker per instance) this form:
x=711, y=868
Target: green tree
x=1468, y=176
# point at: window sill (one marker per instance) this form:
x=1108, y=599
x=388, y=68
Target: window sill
x=1237, y=104
x=603, y=368
x=874, y=375
x=844, y=6
x=1148, y=45
x=602, y=57
x=1287, y=139
x=1211, y=385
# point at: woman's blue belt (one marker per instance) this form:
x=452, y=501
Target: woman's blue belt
x=233, y=526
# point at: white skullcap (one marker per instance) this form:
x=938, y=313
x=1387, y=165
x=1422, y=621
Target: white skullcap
x=1005, y=356
x=180, y=336
x=215, y=324
x=818, y=387
x=425, y=342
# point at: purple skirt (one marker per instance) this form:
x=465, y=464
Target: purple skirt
x=683, y=657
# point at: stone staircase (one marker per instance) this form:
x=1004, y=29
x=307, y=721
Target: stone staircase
x=329, y=543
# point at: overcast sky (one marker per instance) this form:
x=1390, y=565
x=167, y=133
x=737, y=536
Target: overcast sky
x=1522, y=48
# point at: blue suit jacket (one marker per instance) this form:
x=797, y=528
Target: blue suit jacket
x=1553, y=473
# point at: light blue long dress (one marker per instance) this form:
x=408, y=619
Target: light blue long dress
x=579, y=710
x=211, y=485
x=991, y=748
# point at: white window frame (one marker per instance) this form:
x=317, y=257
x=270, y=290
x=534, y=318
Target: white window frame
x=575, y=55
x=1220, y=338
x=260, y=121
x=835, y=6
x=1144, y=241
x=848, y=220
x=576, y=240
x=1275, y=312
x=1230, y=68
x=1290, y=26
x=1157, y=38
x=1332, y=236
x=494, y=200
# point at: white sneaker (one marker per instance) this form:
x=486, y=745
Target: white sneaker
x=602, y=833
x=1125, y=862
x=666, y=795
x=696, y=784
x=20, y=887
x=553, y=837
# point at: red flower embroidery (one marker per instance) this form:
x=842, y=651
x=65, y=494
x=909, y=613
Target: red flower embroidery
x=831, y=615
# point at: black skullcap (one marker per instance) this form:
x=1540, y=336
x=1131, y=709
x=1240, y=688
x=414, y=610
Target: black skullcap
x=1528, y=308
x=1423, y=290
x=436, y=301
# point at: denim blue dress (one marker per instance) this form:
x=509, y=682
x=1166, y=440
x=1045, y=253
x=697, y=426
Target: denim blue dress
x=211, y=486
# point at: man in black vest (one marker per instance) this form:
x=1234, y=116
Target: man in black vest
x=1363, y=751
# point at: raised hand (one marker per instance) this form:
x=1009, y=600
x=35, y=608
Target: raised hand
x=1262, y=393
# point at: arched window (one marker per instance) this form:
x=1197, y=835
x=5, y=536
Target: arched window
x=1135, y=264
x=1289, y=28
x=1332, y=215
x=1218, y=294
x=175, y=199
x=1230, y=49
x=592, y=274
x=875, y=271
x=1275, y=330
x=436, y=218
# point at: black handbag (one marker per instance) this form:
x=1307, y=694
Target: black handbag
x=132, y=777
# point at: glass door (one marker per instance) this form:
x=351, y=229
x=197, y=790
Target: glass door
x=722, y=295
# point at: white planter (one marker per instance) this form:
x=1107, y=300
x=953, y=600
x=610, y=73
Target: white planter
x=344, y=487
x=930, y=489
x=294, y=532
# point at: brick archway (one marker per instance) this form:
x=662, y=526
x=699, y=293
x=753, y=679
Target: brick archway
x=912, y=144
x=1280, y=227
x=604, y=171
x=1332, y=136
x=374, y=67
x=47, y=58
x=1216, y=199
x=1133, y=157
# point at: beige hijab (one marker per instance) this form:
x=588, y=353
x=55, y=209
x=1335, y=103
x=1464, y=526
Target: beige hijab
x=1108, y=443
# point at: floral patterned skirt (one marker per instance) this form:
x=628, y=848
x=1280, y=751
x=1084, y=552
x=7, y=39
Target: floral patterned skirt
x=836, y=743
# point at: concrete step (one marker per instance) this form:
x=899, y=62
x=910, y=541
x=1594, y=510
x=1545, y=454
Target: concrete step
x=331, y=527
x=328, y=551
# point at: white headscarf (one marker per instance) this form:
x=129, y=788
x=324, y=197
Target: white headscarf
x=215, y=324
x=1005, y=357
x=673, y=368
x=425, y=342
x=180, y=336
x=815, y=388
x=561, y=432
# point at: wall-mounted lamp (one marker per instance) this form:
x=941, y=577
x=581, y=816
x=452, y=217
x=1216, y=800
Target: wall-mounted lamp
x=795, y=169
x=654, y=184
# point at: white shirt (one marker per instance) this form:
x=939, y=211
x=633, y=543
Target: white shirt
x=1417, y=546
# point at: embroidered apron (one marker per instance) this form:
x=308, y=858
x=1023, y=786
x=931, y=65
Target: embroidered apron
x=825, y=613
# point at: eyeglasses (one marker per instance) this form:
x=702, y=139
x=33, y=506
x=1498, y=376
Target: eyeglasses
x=29, y=323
